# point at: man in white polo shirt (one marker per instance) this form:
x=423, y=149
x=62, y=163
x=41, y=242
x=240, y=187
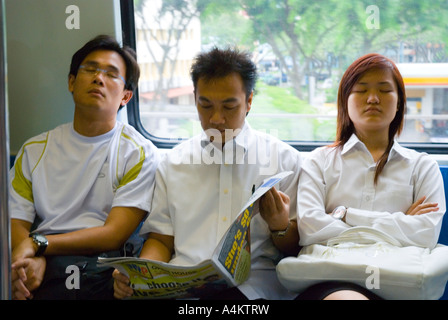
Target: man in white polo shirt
x=202, y=184
x=85, y=185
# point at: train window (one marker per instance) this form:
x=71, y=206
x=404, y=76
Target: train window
x=301, y=49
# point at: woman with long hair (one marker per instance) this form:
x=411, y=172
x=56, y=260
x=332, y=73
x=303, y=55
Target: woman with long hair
x=366, y=178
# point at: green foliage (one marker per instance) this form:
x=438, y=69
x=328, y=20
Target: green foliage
x=312, y=29
x=280, y=99
x=287, y=123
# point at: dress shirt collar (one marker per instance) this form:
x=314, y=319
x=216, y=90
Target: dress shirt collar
x=397, y=149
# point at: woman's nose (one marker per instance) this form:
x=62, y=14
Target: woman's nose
x=373, y=97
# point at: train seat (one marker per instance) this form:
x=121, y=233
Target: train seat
x=443, y=238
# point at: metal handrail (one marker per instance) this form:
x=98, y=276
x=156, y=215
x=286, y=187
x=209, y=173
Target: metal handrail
x=194, y=115
x=5, y=240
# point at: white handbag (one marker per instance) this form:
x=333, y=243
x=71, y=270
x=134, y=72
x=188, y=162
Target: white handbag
x=371, y=259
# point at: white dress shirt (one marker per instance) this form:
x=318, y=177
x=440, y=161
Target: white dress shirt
x=334, y=177
x=200, y=189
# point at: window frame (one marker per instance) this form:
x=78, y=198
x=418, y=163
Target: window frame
x=132, y=108
x=133, y=111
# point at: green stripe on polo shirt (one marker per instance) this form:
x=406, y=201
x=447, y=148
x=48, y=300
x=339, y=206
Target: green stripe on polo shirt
x=135, y=170
x=22, y=185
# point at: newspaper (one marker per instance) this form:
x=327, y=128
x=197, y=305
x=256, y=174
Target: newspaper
x=229, y=265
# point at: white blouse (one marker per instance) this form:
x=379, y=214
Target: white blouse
x=344, y=176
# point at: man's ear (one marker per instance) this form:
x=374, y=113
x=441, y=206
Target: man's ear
x=127, y=96
x=249, y=102
x=71, y=82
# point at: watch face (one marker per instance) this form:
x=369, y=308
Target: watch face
x=40, y=238
x=41, y=241
x=339, y=212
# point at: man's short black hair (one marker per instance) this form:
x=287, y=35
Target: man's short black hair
x=218, y=63
x=105, y=42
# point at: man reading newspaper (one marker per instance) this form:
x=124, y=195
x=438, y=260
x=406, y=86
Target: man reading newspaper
x=202, y=183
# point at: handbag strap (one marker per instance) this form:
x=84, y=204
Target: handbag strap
x=362, y=235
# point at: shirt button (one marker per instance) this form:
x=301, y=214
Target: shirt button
x=226, y=191
x=224, y=219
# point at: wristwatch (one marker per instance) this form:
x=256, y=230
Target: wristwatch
x=339, y=212
x=41, y=241
x=281, y=233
